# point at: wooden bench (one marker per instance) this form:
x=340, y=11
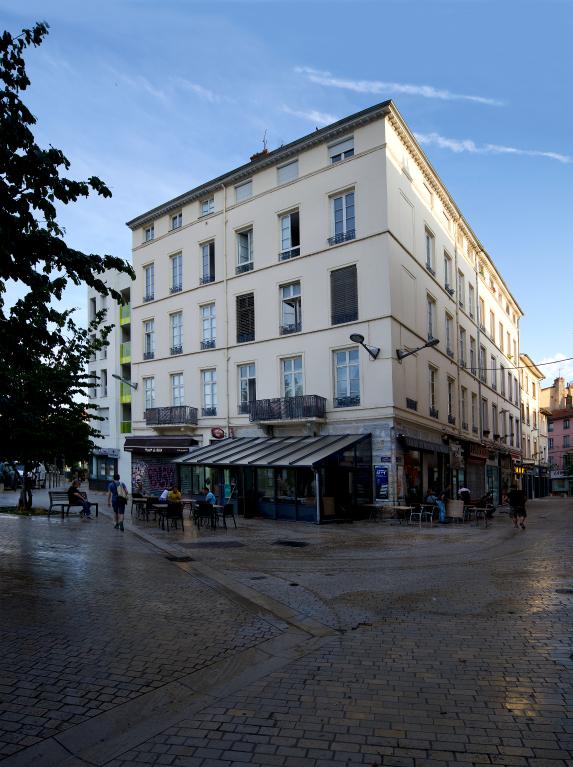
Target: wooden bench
x=60, y=499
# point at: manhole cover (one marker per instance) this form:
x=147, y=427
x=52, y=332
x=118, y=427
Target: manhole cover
x=564, y=591
x=180, y=559
x=214, y=545
x=292, y=544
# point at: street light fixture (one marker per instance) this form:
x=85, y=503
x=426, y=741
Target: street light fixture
x=358, y=338
x=124, y=380
x=401, y=354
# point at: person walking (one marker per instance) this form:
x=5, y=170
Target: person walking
x=117, y=496
x=517, y=500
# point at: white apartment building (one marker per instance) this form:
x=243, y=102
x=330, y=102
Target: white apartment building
x=111, y=396
x=248, y=292
x=534, y=443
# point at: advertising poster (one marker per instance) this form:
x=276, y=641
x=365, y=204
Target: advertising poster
x=381, y=479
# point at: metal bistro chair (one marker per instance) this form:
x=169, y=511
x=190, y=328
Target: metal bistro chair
x=428, y=510
x=228, y=510
x=204, y=513
x=172, y=514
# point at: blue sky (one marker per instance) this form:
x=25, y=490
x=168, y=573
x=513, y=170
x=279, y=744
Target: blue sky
x=157, y=97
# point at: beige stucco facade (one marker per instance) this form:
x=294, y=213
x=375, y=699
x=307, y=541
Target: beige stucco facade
x=406, y=229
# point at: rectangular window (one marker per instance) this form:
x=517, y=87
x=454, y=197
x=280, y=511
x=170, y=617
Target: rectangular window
x=473, y=366
x=291, y=315
x=451, y=401
x=535, y=419
x=492, y=326
x=342, y=150
x=550, y=443
x=432, y=391
x=343, y=218
x=508, y=347
x=474, y=413
x=290, y=236
x=207, y=206
x=464, y=407
x=207, y=262
x=533, y=394
x=462, y=351
x=287, y=172
x=482, y=364
x=343, y=295
x=549, y=425
x=461, y=289
x=448, y=273
x=176, y=273
x=431, y=316
x=502, y=379
x=494, y=422
x=176, y=328
x=244, y=191
x=346, y=378
x=244, y=251
x=509, y=389
x=247, y=387
x=245, y=318
x=103, y=383
x=149, y=233
x=566, y=423
x=149, y=392
x=449, y=335
x=209, y=387
x=177, y=394
x=515, y=351
x=566, y=441
x=484, y=415
x=501, y=336
x=511, y=432
x=481, y=315
x=149, y=280
x=208, y=327
x=176, y=220
x=515, y=394
x=493, y=365
x=292, y=377
x=148, y=339
x=472, y=301
x=429, y=242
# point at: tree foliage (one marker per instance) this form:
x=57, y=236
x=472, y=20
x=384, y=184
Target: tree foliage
x=43, y=351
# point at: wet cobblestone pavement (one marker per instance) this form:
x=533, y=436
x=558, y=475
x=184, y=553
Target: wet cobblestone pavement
x=448, y=647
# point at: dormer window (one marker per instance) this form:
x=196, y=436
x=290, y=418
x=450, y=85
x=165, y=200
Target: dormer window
x=342, y=150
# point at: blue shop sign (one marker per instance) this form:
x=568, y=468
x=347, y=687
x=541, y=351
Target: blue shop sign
x=381, y=479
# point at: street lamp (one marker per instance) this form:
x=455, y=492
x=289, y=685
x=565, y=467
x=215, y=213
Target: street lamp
x=358, y=338
x=401, y=354
x=124, y=380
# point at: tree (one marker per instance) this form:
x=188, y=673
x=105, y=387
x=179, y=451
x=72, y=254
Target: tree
x=43, y=351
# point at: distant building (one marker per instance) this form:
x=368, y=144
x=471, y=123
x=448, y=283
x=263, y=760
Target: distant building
x=111, y=397
x=559, y=400
x=535, y=466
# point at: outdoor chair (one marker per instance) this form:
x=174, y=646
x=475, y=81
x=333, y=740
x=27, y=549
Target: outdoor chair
x=228, y=510
x=204, y=513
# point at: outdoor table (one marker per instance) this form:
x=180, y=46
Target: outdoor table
x=400, y=512
x=374, y=509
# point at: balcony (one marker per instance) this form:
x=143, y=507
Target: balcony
x=243, y=338
x=434, y=413
x=465, y=426
x=353, y=401
x=148, y=297
x=242, y=268
x=449, y=290
x=431, y=270
x=208, y=343
x=176, y=288
x=245, y=408
x=125, y=353
x=178, y=415
x=148, y=355
x=411, y=404
x=450, y=352
x=125, y=427
x=294, y=327
x=124, y=393
x=475, y=429
x=125, y=314
x=206, y=279
x=176, y=350
x=286, y=254
x=463, y=364
x=342, y=237
x=302, y=408
x=208, y=412
x=452, y=419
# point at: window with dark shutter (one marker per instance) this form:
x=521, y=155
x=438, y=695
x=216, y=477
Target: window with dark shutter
x=343, y=295
x=245, y=318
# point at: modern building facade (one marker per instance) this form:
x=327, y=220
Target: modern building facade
x=111, y=396
x=253, y=292
x=534, y=468
x=558, y=399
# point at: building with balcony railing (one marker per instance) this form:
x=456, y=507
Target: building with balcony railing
x=370, y=245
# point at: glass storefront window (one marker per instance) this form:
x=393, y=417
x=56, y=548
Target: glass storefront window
x=286, y=485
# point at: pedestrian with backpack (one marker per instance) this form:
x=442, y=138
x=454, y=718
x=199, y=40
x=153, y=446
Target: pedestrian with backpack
x=117, y=496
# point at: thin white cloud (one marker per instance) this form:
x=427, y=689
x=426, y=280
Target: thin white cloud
x=563, y=369
x=389, y=88
x=141, y=84
x=318, y=118
x=467, y=145
x=199, y=90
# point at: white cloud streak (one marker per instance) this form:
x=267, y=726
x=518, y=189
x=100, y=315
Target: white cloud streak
x=563, y=369
x=389, y=88
x=314, y=116
x=467, y=145
x=199, y=90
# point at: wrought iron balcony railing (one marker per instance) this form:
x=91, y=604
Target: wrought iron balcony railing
x=452, y=419
x=294, y=327
x=176, y=415
x=434, y=413
x=288, y=408
x=208, y=343
x=206, y=279
x=350, y=234
x=176, y=349
x=411, y=404
x=286, y=254
x=176, y=288
x=207, y=412
x=353, y=401
x=148, y=297
x=148, y=355
x=242, y=268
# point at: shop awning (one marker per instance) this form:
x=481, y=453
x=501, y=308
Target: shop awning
x=271, y=451
x=423, y=444
x=167, y=445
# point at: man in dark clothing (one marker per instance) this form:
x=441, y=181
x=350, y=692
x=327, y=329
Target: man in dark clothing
x=77, y=498
x=517, y=500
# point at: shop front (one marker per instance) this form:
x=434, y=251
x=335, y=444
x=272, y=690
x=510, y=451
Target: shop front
x=426, y=465
x=152, y=460
x=306, y=479
x=475, y=459
x=102, y=466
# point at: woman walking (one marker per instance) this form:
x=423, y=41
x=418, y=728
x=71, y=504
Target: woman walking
x=517, y=501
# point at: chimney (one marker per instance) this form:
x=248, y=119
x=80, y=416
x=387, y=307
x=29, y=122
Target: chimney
x=257, y=156
x=569, y=402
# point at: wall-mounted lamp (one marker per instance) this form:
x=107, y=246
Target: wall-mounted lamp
x=358, y=338
x=400, y=353
x=124, y=380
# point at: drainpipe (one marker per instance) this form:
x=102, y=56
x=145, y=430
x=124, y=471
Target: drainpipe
x=457, y=339
x=478, y=342
x=226, y=277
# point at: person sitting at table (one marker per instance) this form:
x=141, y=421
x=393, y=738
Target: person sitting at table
x=164, y=494
x=138, y=490
x=433, y=500
x=208, y=496
x=174, y=495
